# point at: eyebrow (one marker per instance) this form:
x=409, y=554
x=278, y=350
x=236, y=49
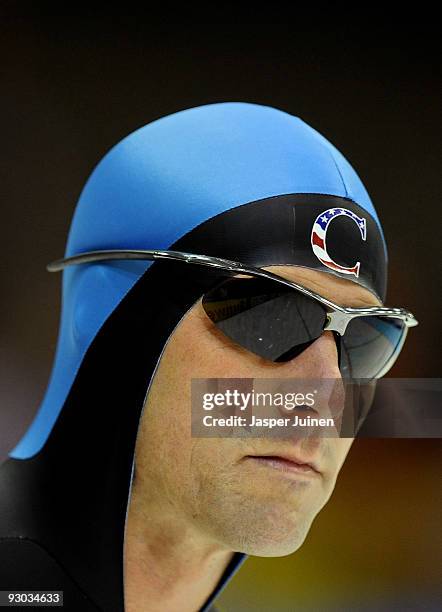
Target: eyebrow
x=357, y=301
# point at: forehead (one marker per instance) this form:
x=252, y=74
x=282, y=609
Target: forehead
x=339, y=290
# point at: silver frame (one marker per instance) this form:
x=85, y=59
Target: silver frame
x=338, y=316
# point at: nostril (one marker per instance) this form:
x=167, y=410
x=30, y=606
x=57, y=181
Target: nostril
x=302, y=410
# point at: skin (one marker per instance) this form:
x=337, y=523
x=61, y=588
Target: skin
x=196, y=500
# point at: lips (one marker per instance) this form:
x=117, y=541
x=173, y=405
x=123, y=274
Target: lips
x=288, y=462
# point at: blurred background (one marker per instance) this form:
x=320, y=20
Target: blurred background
x=72, y=87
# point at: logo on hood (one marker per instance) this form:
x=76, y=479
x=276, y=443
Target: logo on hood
x=319, y=233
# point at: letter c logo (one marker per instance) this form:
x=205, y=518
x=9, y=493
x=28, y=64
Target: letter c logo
x=319, y=234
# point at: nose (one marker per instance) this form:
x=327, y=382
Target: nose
x=319, y=364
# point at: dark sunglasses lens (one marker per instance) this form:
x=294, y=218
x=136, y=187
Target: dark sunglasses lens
x=370, y=346
x=264, y=317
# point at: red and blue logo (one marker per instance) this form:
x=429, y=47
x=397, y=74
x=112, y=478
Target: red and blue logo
x=319, y=235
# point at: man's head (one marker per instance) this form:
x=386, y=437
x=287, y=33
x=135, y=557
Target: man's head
x=235, y=180
x=212, y=483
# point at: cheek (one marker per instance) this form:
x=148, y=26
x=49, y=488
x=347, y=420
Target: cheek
x=164, y=445
x=162, y=441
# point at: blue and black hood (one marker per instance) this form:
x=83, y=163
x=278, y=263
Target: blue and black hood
x=241, y=181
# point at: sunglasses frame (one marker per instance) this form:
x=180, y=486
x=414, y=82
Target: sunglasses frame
x=338, y=317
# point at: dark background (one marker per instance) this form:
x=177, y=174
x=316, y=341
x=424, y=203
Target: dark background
x=73, y=87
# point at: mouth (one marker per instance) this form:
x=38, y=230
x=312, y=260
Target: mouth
x=287, y=463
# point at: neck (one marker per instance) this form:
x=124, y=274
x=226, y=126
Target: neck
x=168, y=563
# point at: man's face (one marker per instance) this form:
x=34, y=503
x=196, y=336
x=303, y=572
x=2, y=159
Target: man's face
x=239, y=503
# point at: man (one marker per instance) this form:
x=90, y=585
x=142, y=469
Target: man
x=183, y=520
x=108, y=496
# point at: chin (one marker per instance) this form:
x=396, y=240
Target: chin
x=272, y=538
x=276, y=547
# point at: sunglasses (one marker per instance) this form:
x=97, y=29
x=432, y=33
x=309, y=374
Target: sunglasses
x=278, y=319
